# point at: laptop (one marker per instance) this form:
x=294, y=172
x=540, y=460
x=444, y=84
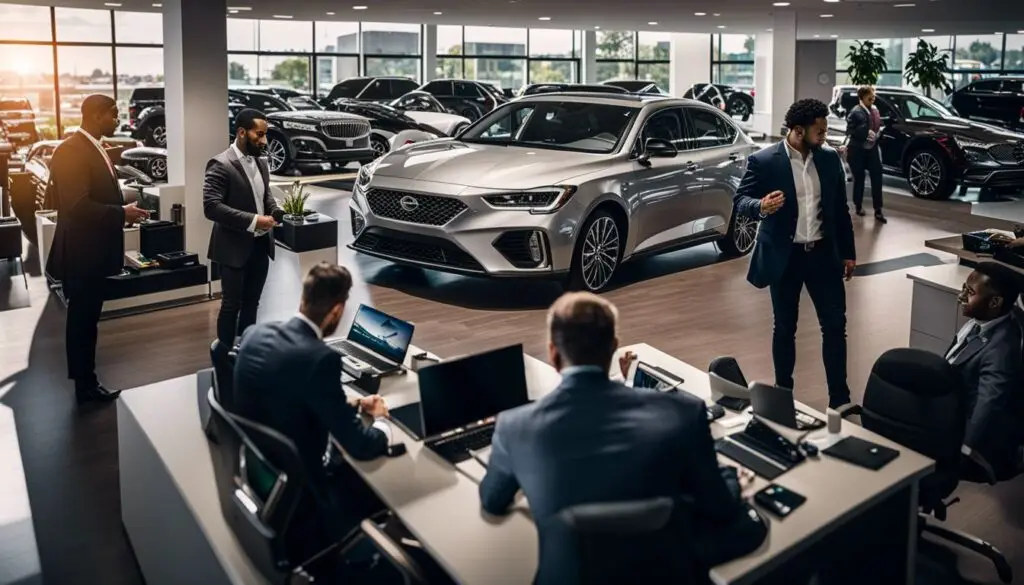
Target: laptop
x=776, y=404
x=376, y=341
x=644, y=375
x=460, y=400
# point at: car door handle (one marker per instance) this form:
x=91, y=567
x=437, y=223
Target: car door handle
x=736, y=158
x=692, y=167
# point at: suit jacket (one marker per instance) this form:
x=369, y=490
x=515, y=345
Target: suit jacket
x=89, y=238
x=595, y=440
x=992, y=369
x=858, y=124
x=288, y=379
x=770, y=170
x=228, y=202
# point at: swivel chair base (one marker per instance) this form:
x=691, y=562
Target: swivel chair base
x=972, y=543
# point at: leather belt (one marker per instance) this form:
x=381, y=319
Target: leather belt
x=808, y=246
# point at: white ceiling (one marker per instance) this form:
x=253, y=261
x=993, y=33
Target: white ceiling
x=851, y=19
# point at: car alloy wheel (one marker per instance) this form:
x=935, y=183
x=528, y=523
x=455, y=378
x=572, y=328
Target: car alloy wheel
x=380, y=148
x=276, y=155
x=158, y=168
x=925, y=173
x=744, y=233
x=160, y=136
x=600, y=253
x=740, y=109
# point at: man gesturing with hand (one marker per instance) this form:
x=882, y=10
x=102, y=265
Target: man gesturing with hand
x=798, y=190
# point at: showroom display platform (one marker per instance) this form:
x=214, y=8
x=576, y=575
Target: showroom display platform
x=306, y=236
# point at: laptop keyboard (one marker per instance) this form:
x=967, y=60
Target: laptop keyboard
x=456, y=449
x=349, y=348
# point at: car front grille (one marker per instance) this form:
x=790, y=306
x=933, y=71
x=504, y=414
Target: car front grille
x=1009, y=154
x=413, y=207
x=346, y=129
x=415, y=248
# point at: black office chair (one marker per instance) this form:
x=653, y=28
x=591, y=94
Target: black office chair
x=915, y=398
x=223, y=360
x=615, y=543
x=729, y=369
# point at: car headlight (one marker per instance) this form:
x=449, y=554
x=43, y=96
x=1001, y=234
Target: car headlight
x=974, y=151
x=966, y=143
x=298, y=126
x=543, y=200
x=366, y=173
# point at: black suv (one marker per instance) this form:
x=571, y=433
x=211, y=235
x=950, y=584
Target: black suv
x=469, y=99
x=999, y=100
x=370, y=89
x=20, y=119
x=537, y=88
x=933, y=148
x=729, y=99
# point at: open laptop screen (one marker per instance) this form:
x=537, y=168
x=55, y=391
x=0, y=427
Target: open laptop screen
x=381, y=333
x=457, y=393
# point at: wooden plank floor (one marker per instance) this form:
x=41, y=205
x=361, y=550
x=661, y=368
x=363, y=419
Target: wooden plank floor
x=688, y=303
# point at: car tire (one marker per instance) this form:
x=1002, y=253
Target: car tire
x=379, y=145
x=597, y=253
x=928, y=175
x=156, y=134
x=739, y=107
x=470, y=113
x=279, y=156
x=157, y=169
x=741, y=236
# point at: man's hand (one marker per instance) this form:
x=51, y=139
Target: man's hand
x=746, y=478
x=771, y=202
x=624, y=362
x=134, y=214
x=265, y=222
x=848, y=267
x=871, y=135
x=374, y=406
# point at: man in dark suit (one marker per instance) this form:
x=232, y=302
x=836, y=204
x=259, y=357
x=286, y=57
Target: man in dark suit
x=237, y=199
x=88, y=244
x=864, y=127
x=595, y=440
x=285, y=377
x=798, y=191
x=988, y=354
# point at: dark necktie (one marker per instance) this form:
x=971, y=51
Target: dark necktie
x=972, y=334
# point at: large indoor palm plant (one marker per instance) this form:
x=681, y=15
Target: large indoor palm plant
x=928, y=68
x=867, y=62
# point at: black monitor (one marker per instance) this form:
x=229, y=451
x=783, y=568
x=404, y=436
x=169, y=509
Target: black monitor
x=467, y=390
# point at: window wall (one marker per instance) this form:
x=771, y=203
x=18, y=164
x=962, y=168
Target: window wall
x=508, y=58
x=633, y=55
x=54, y=57
x=732, y=60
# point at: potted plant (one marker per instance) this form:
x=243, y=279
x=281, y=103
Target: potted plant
x=928, y=68
x=294, y=205
x=867, y=62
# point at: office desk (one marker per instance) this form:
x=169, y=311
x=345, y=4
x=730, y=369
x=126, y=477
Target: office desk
x=935, y=314
x=954, y=245
x=440, y=505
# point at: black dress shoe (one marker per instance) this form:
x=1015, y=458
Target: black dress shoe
x=880, y=218
x=95, y=394
x=860, y=212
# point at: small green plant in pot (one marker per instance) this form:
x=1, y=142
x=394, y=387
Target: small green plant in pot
x=867, y=62
x=294, y=205
x=928, y=68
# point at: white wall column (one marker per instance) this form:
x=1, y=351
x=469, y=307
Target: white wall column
x=589, y=60
x=690, y=56
x=775, y=73
x=196, y=95
x=815, y=69
x=429, y=52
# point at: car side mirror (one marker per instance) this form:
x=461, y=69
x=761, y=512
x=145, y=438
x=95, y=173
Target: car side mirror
x=657, y=148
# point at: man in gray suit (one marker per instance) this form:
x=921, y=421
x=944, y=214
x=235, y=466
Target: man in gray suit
x=237, y=199
x=987, y=352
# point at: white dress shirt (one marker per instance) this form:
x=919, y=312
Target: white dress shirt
x=983, y=328
x=808, y=196
x=380, y=423
x=252, y=172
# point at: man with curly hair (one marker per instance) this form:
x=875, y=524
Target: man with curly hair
x=798, y=190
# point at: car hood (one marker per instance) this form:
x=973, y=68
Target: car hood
x=488, y=166
x=443, y=122
x=969, y=129
x=311, y=116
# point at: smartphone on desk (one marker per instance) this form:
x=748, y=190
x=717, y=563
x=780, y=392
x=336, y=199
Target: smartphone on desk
x=778, y=501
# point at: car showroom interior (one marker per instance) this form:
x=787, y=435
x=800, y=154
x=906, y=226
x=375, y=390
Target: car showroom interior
x=509, y=291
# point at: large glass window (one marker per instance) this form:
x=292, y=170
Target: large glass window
x=24, y=23
x=286, y=36
x=552, y=71
x=552, y=43
x=508, y=58
x=494, y=41
x=390, y=39
x=283, y=71
x=243, y=34
x=242, y=70
x=732, y=60
x=1013, y=55
x=83, y=25
x=449, y=40
x=612, y=70
x=619, y=45
x=26, y=73
x=503, y=73
x=82, y=71
x=450, y=68
x=337, y=37
x=332, y=70
x=405, y=67
x=145, y=28
x=978, y=52
x=137, y=67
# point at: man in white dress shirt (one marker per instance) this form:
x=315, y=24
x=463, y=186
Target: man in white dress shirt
x=237, y=199
x=797, y=190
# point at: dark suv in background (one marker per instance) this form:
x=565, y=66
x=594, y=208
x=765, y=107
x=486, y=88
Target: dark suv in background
x=469, y=99
x=999, y=100
x=370, y=89
x=20, y=119
x=933, y=148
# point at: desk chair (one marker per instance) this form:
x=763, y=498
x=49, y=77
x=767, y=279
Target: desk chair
x=223, y=359
x=915, y=398
x=729, y=369
x=615, y=543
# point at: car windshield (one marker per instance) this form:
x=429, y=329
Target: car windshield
x=913, y=107
x=349, y=88
x=558, y=125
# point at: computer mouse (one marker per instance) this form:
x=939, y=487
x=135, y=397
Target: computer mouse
x=715, y=411
x=810, y=449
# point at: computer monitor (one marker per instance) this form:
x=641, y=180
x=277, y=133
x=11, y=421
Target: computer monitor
x=464, y=391
x=381, y=333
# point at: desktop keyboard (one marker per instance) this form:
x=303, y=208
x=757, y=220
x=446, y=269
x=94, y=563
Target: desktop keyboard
x=456, y=449
x=765, y=441
x=348, y=348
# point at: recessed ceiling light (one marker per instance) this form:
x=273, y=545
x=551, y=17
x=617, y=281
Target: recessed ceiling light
x=112, y=4
x=653, y=23
x=239, y=8
x=596, y=27
x=438, y=13
x=232, y=12
x=826, y=16
x=833, y=36
x=768, y=29
x=927, y=30
x=721, y=26
x=157, y=5
x=780, y=3
x=716, y=14
x=544, y=18
x=329, y=13
x=903, y=5
x=817, y=36
x=700, y=13
x=832, y=1
x=285, y=16
x=358, y=8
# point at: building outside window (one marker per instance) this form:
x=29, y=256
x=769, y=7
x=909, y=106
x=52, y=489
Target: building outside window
x=732, y=60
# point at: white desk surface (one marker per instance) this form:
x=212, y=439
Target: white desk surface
x=945, y=277
x=441, y=506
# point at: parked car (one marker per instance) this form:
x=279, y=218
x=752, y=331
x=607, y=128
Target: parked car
x=731, y=100
x=370, y=89
x=149, y=160
x=28, y=188
x=469, y=99
x=20, y=119
x=934, y=149
x=559, y=185
x=536, y=88
x=143, y=98
x=637, y=86
x=416, y=115
x=999, y=100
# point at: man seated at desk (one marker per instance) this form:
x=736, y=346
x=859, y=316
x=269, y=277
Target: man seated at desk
x=987, y=352
x=288, y=379
x=596, y=440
